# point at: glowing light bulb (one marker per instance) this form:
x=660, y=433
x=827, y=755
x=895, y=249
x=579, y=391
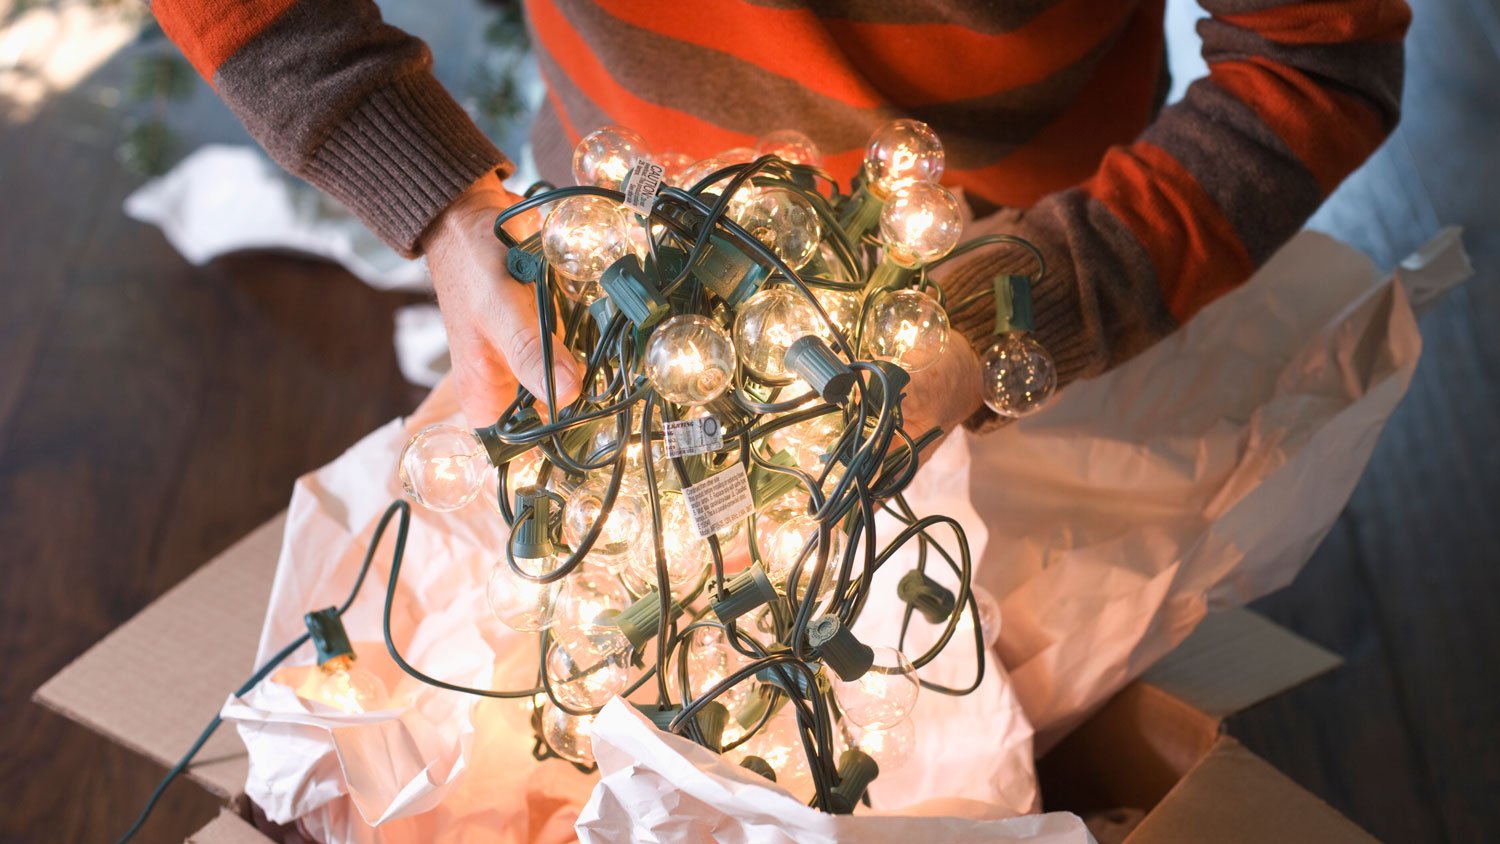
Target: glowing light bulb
x=780, y=744
x=989, y=616
x=345, y=686
x=841, y=306
x=919, y=224
x=891, y=746
x=710, y=660
x=900, y=153
x=587, y=668
x=523, y=605
x=790, y=146
x=623, y=530
x=443, y=467
x=701, y=169
x=605, y=156
x=689, y=360
x=1019, y=375
x=907, y=328
x=737, y=155
x=782, y=220
x=886, y=693
x=674, y=165
x=569, y=736
x=784, y=547
x=583, y=235
x=590, y=597
x=808, y=441
x=766, y=325
x=686, y=554
x=521, y=471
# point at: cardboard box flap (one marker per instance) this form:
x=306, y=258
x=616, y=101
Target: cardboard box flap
x=198, y=641
x=1235, y=797
x=1235, y=659
x=228, y=828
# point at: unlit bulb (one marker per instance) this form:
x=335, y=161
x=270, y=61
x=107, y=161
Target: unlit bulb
x=1019, y=375
x=907, y=328
x=901, y=153
x=606, y=156
x=884, y=695
x=443, y=467
x=689, y=360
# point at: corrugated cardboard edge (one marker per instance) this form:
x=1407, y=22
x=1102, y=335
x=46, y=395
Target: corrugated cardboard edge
x=1235, y=796
x=198, y=640
x=228, y=828
x=1235, y=659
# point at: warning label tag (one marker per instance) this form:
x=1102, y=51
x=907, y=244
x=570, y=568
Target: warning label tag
x=719, y=501
x=686, y=437
x=642, y=184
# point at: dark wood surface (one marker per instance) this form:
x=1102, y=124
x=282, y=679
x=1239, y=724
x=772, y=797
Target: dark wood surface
x=152, y=412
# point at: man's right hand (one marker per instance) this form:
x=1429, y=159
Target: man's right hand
x=493, y=338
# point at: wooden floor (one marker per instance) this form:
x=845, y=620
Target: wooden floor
x=152, y=412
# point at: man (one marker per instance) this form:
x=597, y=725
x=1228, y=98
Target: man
x=1050, y=110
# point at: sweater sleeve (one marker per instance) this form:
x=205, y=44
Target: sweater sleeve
x=341, y=99
x=1297, y=95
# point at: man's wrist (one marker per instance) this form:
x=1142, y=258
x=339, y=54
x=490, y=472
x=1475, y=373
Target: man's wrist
x=470, y=213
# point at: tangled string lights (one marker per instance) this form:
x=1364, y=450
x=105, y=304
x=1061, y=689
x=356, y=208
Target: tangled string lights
x=697, y=531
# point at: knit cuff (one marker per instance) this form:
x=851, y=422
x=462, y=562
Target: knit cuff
x=401, y=157
x=1059, y=322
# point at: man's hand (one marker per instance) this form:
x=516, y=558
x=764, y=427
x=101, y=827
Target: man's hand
x=945, y=394
x=493, y=338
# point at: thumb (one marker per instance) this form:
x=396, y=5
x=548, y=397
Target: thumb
x=524, y=351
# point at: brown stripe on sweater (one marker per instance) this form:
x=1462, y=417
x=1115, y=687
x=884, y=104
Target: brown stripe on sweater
x=991, y=18
x=1259, y=185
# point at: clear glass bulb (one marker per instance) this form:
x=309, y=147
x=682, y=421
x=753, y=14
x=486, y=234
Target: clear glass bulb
x=989, y=616
x=737, y=155
x=900, y=153
x=766, y=325
x=605, y=156
x=808, y=441
x=1019, y=375
x=523, y=605
x=523, y=470
x=443, y=467
x=689, y=360
x=891, y=746
x=701, y=170
x=349, y=688
x=790, y=146
x=590, y=597
x=623, y=530
x=886, y=694
x=782, y=220
x=783, y=548
x=673, y=166
x=587, y=668
x=569, y=736
x=686, y=554
x=919, y=224
x=907, y=328
x=583, y=235
x=842, y=308
x=710, y=660
x=780, y=744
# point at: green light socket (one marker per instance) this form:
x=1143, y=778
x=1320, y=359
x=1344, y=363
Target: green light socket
x=632, y=291
x=712, y=719
x=499, y=452
x=932, y=599
x=847, y=656
x=862, y=214
x=728, y=272
x=811, y=358
x=523, y=266
x=641, y=620
x=1013, y=310
x=328, y=634
x=875, y=392
x=749, y=590
x=532, y=537
x=857, y=769
x=661, y=718
x=757, y=765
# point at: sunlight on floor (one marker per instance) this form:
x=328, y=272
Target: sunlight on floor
x=48, y=49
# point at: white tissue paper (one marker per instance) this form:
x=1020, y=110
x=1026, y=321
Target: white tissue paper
x=1203, y=472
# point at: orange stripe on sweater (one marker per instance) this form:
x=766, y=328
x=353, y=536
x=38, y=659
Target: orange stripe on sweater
x=1328, y=22
x=1195, y=250
x=1330, y=132
x=209, y=33
x=661, y=126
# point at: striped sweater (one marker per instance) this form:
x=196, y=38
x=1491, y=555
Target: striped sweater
x=1050, y=111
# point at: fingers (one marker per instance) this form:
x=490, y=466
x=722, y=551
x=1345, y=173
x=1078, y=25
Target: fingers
x=484, y=385
x=519, y=338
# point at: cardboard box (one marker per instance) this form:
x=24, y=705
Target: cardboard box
x=1151, y=767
